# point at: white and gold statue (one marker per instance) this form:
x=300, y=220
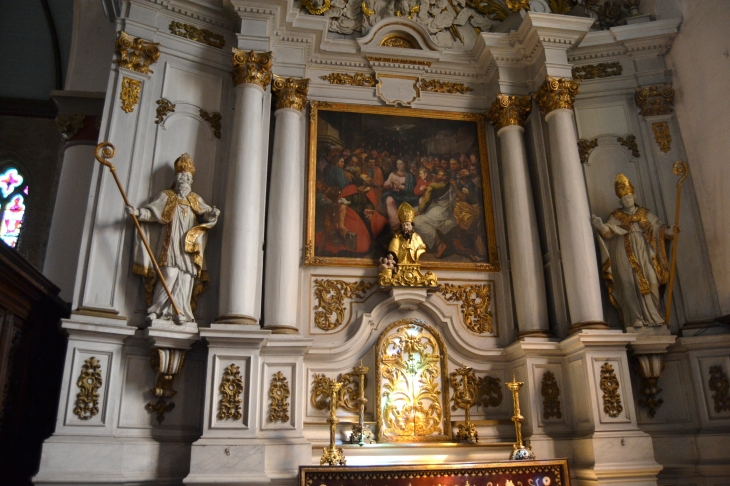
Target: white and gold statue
x=634, y=258
x=178, y=241
x=400, y=267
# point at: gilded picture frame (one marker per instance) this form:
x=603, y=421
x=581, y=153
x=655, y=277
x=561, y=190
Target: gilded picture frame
x=460, y=237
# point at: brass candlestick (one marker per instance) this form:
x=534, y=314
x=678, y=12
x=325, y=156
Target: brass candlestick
x=333, y=455
x=467, y=431
x=361, y=435
x=520, y=451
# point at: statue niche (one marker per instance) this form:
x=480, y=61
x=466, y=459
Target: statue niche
x=412, y=387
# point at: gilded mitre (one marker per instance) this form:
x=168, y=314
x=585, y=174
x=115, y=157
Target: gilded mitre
x=184, y=163
x=406, y=213
x=623, y=186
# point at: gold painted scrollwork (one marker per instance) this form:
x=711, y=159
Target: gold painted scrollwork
x=489, y=391
x=720, y=386
x=557, y=94
x=129, y=94
x=399, y=40
x=509, y=110
x=329, y=312
x=279, y=394
x=654, y=100
x=630, y=143
x=135, y=53
x=231, y=387
x=348, y=395
x=251, y=67
x=602, y=70
x=412, y=384
x=609, y=386
x=662, y=135
x=164, y=108
x=585, y=147
x=550, y=394
x=438, y=86
x=475, y=302
x=357, y=79
x=89, y=382
x=193, y=33
x=214, y=119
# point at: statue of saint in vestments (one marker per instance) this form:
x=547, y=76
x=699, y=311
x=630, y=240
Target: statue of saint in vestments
x=178, y=240
x=634, y=258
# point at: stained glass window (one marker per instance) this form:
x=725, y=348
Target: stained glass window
x=13, y=193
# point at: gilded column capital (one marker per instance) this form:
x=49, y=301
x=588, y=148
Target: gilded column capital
x=290, y=92
x=557, y=93
x=136, y=53
x=251, y=67
x=509, y=110
x=654, y=100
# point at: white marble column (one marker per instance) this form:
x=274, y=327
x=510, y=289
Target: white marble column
x=577, y=246
x=284, y=211
x=241, y=251
x=508, y=114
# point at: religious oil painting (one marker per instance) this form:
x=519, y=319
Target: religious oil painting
x=365, y=161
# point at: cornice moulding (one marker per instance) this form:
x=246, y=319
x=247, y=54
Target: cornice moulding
x=207, y=11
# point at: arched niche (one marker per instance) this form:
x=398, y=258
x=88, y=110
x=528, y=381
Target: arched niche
x=412, y=385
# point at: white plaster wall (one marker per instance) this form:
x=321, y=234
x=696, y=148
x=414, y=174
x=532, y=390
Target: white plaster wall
x=700, y=60
x=92, y=47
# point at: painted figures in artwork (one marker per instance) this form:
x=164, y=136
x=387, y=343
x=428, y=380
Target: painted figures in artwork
x=633, y=251
x=184, y=219
x=363, y=178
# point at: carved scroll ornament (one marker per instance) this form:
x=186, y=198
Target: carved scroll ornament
x=602, y=70
x=329, y=312
x=438, y=86
x=279, y=395
x=135, y=53
x=164, y=108
x=509, y=110
x=550, y=394
x=251, y=68
x=131, y=88
x=357, y=79
x=475, y=302
x=609, y=386
x=348, y=396
x=231, y=387
x=557, y=93
x=196, y=34
x=290, y=92
x=89, y=382
x=662, y=135
x=654, y=100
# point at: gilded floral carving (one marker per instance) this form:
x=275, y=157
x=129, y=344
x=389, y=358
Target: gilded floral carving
x=609, y=386
x=135, y=53
x=475, y=302
x=89, y=382
x=279, y=395
x=131, y=88
x=662, y=135
x=164, y=108
x=357, y=79
x=551, y=395
x=438, y=86
x=720, y=388
x=329, y=312
x=585, y=147
x=214, y=119
x=489, y=391
x=231, y=387
x=630, y=143
x=196, y=34
x=348, y=397
x=602, y=70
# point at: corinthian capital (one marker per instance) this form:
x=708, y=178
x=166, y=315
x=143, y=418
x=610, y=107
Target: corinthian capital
x=509, y=110
x=290, y=92
x=654, y=100
x=136, y=53
x=251, y=67
x=557, y=93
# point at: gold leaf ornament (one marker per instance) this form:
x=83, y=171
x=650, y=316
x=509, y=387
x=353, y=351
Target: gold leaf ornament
x=357, y=79
x=662, y=135
x=290, y=92
x=131, y=89
x=135, y=53
x=557, y=94
x=89, y=382
x=475, y=302
x=509, y=110
x=279, y=394
x=348, y=394
x=550, y=394
x=164, y=108
x=329, y=312
x=252, y=67
x=438, y=86
x=231, y=387
x=196, y=34
x=609, y=386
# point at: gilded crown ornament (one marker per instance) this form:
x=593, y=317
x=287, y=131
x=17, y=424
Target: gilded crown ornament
x=509, y=110
x=135, y=53
x=622, y=186
x=185, y=163
x=290, y=92
x=557, y=94
x=252, y=67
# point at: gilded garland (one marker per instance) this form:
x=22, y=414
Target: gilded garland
x=89, y=382
x=475, y=303
x=602, y=70
x=279, y=394
x=196, y=34
x=438, y=86
x=357, y=79
x=609, y=386
x=329, y=312
x=231, y=387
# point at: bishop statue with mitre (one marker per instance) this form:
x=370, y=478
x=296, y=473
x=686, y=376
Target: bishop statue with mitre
x=178, y=240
